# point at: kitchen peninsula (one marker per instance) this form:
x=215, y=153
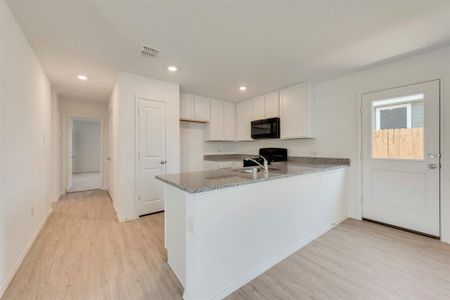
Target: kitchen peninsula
x=225, y=227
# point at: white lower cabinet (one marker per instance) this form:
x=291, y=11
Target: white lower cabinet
x=210, y=165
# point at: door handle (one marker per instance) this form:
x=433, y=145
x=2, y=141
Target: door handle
x=432, y=155
x=163, y=162
x=432, y=166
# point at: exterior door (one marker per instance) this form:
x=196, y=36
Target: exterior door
x=401, y=159
x=151, y=155
x=70, y=155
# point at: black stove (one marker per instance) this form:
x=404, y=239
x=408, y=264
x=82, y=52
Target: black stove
x=271, y=154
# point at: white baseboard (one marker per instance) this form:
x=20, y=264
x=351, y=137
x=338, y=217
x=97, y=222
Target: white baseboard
x=263, y=268
x=23, y=255
x=124, y=219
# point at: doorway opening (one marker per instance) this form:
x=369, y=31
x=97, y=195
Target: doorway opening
x=84, y=167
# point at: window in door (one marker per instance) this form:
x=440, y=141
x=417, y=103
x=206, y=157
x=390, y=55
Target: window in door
x=398, y=128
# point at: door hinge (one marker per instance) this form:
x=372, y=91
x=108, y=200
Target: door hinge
x=139, y=111
x=139, y=155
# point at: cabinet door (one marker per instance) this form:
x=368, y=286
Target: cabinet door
x=258, y=108
x=229, y=121
x=210, y=165
x=202, y=108
x=244, y=116
x=187, y=107
x=271, y=103
x=225, y=164
x=295, y=112
x=215, y=125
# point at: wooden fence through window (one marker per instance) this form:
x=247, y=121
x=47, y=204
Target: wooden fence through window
x=404, y=143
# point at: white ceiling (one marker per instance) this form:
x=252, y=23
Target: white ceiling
x=219, y=45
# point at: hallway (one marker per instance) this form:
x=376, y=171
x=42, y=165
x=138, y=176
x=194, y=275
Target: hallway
x=83, y=252
x=86, y=181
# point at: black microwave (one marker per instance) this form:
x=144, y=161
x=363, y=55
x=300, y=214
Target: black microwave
x=266, y=129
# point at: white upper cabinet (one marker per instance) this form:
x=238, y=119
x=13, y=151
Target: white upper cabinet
x=202, y=108
x=271, y=105
x=258, y=108
x=214, y=130
x=229, y=121
x=266, y=106
x=187, y=107
x=296, y=110
x=194, y=108
x=244, y=116
x=222, y=124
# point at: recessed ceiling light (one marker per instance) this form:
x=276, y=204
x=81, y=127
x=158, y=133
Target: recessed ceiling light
x=172, y=68
x=243, y=88
x=82, y=77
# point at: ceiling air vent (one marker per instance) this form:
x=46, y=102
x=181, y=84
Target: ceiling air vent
x=148, y=51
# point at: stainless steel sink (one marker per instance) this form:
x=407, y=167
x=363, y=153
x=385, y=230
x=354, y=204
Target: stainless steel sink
x=247, y=169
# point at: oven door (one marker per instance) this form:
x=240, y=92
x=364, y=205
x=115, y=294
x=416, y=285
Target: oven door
x=266, y=129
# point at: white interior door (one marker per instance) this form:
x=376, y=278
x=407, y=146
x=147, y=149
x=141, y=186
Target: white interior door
x=401, y=159
x=69, y=153
x=151, y=161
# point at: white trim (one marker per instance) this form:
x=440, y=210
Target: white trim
x=398, y=100
x=275, y=260
x=25, y=251
x=64, y=141
x=378, y=109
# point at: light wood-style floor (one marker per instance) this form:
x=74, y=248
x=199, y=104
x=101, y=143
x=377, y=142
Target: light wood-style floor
x=86, y=181
x=84, y=253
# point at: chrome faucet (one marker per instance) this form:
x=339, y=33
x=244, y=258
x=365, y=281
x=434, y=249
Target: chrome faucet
x=265, y=166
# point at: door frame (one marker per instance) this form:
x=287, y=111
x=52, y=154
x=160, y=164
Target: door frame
x=64, y=146
x=138, y=98
x=442, y=220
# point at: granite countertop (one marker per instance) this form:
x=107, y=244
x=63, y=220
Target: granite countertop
x=227, y=157
x=204, y=181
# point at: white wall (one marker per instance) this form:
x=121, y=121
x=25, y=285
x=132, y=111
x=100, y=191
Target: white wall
x=122, y=107
x=86, y=146
x=56, y=147
x=193, y=146
x=26, y=139
x=114, y=175
x=82, y=109
x=337, y=118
